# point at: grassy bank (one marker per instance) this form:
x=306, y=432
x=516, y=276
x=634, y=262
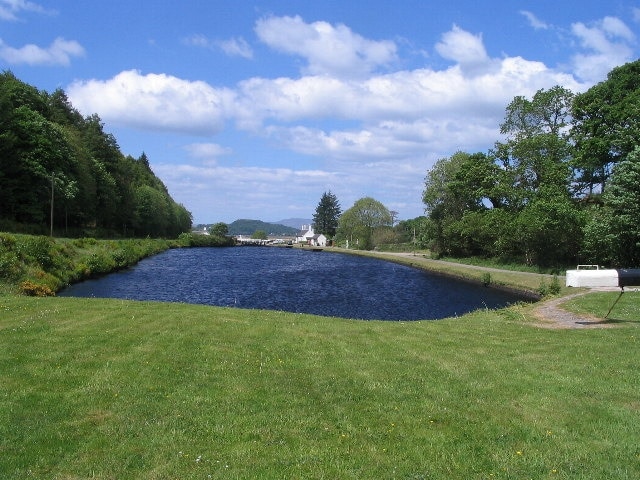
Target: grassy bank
x=529, y=282
x=40, y=266
x=113, y=389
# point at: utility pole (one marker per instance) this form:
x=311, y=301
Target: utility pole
x=51, y=222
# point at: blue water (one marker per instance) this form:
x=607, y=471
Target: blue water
x=294, y=280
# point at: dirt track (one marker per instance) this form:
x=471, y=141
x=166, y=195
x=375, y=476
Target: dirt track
x=552, y=315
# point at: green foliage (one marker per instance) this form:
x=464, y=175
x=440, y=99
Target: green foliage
x=519, y=201
x=35, y=249
x=606, y=127
x=219, y=229
x=259, y=235
x=358, y=224
x=31, y=263
x=327, y=214
x=550, y=289
x=612, y=236
x=48, y=148
x=247, y=227
x=198, y=240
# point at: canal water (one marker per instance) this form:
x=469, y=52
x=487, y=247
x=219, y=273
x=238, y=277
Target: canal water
x=294, y=280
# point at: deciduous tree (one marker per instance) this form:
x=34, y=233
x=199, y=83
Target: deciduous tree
x=358, y=223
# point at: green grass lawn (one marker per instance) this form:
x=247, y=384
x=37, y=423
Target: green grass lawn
x=111, y=389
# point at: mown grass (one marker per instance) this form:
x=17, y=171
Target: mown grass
x=111, y=389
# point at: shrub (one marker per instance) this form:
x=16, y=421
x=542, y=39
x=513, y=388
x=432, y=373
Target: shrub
x=552, y=289
x=37, y=249
x=100, y=263
x=35, y=289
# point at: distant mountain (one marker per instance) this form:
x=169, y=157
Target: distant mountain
x=295, y=222
x=248, y=227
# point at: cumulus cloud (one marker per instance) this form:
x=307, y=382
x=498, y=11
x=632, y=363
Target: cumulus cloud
x=332, y=50
x=59, y=52
x=608, y=43
x=462, y=47
x=153, y=101
x=383, y=115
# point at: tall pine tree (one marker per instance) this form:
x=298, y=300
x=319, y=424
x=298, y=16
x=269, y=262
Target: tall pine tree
x=325, y=220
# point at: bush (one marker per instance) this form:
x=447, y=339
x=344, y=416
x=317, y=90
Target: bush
x=36, y=249
x=552, y=289
x=100, y=263
x=35, y=289
x=10, y=265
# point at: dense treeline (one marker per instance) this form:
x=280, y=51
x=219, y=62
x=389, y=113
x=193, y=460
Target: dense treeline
x=563, y=188
x=46, y=144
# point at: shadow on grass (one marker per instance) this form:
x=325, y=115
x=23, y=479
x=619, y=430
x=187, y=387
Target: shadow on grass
x=607, y=321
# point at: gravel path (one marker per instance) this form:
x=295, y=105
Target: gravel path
x=552, y=315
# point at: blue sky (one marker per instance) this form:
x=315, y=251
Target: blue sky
x=253, y=109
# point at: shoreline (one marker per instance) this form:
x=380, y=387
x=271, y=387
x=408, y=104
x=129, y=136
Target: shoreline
x=500, y=279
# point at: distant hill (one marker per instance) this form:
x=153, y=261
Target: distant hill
x=294, y=222
x=248, y=227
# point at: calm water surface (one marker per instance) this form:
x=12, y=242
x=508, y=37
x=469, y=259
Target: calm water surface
x=294, y=280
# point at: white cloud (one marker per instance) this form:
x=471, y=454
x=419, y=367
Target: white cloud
x=462, y=47
x=608, y=43
x=383, y=116
x=228, y=193
x=9, y=9
x=236, y=47
x=59, y=52
x=198, y=40
x=383, y=126
x=328, y=49
x=534, y=21
x=208, y=153
x=153, y=101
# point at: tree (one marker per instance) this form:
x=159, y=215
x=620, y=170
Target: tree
x=260, y=235
x=454, y=187
x=606, y=127
x=613, y=234
x=537, y=151
x=358, y=224
x=219, y=229
x=325, y=220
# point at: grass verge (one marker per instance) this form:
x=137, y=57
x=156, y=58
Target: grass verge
x=114, y=389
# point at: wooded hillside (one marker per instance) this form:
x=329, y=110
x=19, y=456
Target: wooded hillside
x=46, y=144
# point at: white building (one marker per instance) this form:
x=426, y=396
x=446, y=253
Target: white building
x=307, y=236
